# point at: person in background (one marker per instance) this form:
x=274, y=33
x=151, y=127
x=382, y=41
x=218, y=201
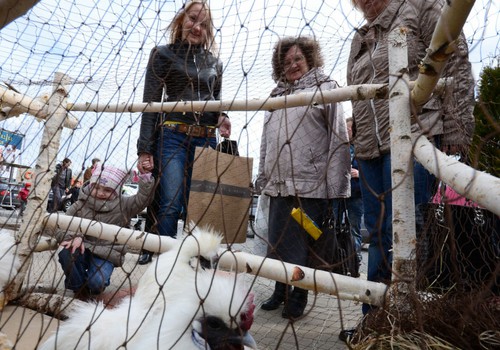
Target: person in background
x=87, y=261
x=304, y=161
x=354, y=203
x=61, y=183
x=186, y=69
x=88, y=172
x=23, y=197
x=9, y=155
x=446, y=120
x=228, y=146
x=75, y=190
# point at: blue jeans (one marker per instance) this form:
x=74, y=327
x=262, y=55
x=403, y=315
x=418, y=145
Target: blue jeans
x=355, y=215
x=175, y=163
x=85, y=271
x=376, y=188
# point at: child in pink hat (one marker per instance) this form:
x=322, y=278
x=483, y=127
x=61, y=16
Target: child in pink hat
x=106, y=182
x=87, y=261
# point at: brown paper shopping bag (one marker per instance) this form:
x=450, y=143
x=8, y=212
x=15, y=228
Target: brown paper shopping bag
x=220, y=194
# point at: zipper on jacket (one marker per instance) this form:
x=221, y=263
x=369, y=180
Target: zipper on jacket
x=198, y=81
x=372, y=105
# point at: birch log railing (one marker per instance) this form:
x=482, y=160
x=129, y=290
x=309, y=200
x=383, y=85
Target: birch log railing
x=424, y=152
x=321, y=281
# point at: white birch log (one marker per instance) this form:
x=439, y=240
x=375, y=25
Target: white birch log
x=353, y=92
x=35, y=208
x=113, y=233
x=342, y=286
x=403, y=205
x=53, y=304
x=442, y=46
x=479, y=186
x=37, y=107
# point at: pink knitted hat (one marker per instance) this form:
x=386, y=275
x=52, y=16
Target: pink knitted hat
x=108, y=176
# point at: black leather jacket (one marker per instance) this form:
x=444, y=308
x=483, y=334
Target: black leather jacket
x=178, y=72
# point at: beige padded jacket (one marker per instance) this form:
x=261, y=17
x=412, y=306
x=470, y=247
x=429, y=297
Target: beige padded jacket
x=449, y=115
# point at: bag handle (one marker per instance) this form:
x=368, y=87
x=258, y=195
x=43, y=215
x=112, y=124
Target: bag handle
x=342, y=216
x=441, y=200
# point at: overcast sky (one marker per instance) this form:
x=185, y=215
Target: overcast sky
x=104, y=46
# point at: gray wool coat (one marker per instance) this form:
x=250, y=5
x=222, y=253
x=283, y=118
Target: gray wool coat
x=449, y=116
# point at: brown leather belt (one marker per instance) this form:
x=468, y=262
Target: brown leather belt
x=192, y=130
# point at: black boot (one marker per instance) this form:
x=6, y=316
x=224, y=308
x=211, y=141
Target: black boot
x=296, y=304
x=281, y=292
x=145, y=258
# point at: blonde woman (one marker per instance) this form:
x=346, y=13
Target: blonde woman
x=186, y=69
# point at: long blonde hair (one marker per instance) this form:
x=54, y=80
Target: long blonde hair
x=176, y=26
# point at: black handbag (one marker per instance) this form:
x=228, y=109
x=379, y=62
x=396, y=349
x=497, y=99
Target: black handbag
x=335, y=250
x=458, y=249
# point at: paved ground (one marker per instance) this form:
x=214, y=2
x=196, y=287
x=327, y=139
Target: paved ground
x=319, y=329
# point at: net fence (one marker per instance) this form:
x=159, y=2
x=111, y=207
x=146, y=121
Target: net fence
x=103, y=48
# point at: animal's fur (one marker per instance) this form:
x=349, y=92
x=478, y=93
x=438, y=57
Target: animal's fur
x=9, y=261
x=170, y=297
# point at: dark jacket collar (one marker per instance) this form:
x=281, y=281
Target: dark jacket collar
x=184, y=47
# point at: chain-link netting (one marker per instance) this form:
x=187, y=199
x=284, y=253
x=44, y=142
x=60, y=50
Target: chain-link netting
x=103, y=49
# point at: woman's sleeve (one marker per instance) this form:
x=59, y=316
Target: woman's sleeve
x=218, y=83
x=458, y=101
x=339, y=159
x=153, y=92
x=261, y=180
x=458, y=104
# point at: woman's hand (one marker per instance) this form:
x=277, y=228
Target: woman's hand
x=145, y=163
x=224, y=126
x=452, y=150
x=74, y=244
x=354, y=173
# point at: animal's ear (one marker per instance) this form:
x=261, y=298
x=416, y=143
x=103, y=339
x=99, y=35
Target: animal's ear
x=246, y=317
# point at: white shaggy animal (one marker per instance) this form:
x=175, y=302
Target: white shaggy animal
x=9, y=261
x=180, y=303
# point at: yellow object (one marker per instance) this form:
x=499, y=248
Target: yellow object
x=306, y=222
